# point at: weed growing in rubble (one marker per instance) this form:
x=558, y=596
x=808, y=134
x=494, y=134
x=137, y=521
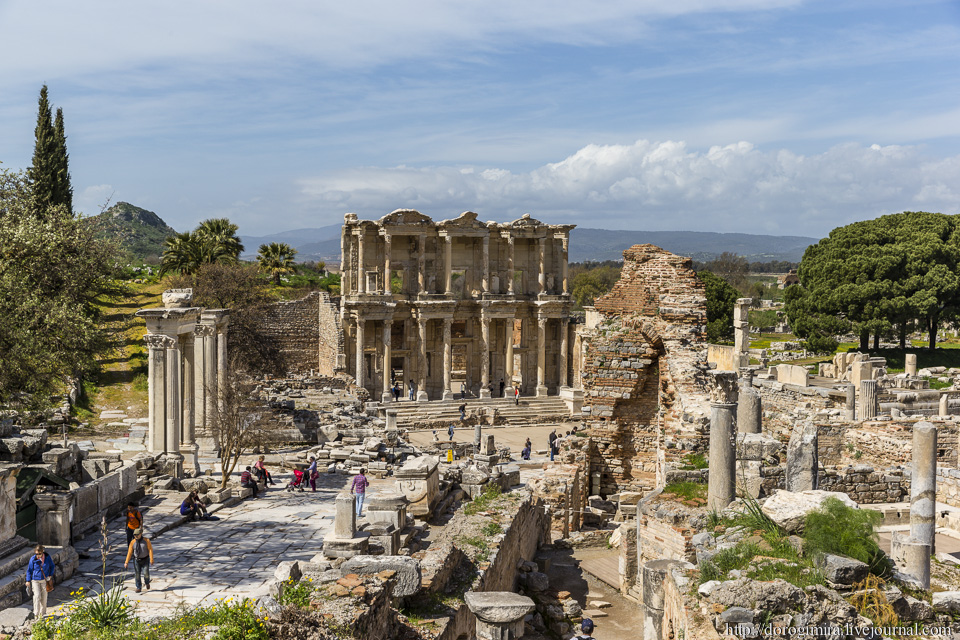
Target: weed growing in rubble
x=484, y=500
x=492, y=529
x=297, y=593
x=839, y=529
x=694, y=461
x=693, y=492
x=870, y=600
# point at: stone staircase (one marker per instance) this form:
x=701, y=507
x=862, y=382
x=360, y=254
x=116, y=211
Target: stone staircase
x=529, y=411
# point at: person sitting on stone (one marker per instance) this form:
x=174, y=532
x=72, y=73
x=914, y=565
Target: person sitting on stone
x=247, y=481
x=192, y=506
x=261, y=471
x=436, y=438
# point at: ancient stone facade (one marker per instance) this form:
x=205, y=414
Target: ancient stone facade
x=640, y=359
x=440, y=306
x=305, y=334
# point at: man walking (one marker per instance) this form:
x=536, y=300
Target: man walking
x=40, y=571
x=551, y=439
x=463, y=411
x=134, y=521
x=359, y=489
x=142, y=553
x=413, y=389
x=450, y=432
x=502, y=386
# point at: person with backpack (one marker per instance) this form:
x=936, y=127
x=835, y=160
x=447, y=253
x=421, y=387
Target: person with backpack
x=586, y=628
x=463, y=411
x=134, y=520
x=40, y=571
x=142, y=553
x=359, y=489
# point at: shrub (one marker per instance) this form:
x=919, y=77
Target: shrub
x=297, y=593
x=695, y=461
x=838, y=529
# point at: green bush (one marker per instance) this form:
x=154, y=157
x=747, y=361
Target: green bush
x=140, y=382
x=695, y=461
x=297, y=593
x=838, y=529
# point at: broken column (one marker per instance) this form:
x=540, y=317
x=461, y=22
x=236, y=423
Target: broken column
x=749, y=407
x=868, y=399
x=944, y=409
x=802, y=458
x=499, y=614
x=652, y=607
x=923, y=484
x=850, y=402
x=741, y=330
x=345, y=541
x=722, y=465
x=910, y=364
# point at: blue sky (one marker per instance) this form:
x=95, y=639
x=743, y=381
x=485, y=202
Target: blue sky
x=775, y=116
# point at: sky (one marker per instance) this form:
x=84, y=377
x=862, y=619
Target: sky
x=781, y=117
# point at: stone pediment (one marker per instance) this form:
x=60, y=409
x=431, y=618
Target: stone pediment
x=525, y=221
x=466, y=220
x=405, y=216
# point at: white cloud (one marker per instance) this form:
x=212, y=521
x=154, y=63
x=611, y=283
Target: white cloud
x=665, y=186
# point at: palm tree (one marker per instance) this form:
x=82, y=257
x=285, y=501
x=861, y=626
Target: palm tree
x=182, y=253
x=220, y=241
x=276, y=259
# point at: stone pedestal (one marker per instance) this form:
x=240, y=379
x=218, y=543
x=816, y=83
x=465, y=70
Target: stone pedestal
x=419, y=481
x=802, y=458
x=741, y=326
x=721, y=487
x=345, y=518
x=653, y=601
x=868, y=399
x=344, y=541
x=53, y=518
x=8, y=501
x=387, y=508
x=910, y=364
x=923, y=485
x=499, y=613
x=944, y=409
x=392, y=419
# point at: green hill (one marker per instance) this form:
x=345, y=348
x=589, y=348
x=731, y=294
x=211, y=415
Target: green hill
x=139, y=231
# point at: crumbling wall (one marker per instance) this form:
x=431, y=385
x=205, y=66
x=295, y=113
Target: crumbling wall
x=305, y=333
x=642, y=371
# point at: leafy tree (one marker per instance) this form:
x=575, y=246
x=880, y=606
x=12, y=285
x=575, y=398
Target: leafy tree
x=215, y=241
x=219, y=237
x=732, y=268
x=721, y=299
x=276, y=259
x=588, y=284
x=53, y=273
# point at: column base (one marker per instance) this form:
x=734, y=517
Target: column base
x=191, y=457
x=448, y=396
x=541, y=391
x=508, y=392
x=386, y=396
x=422, y=396
x=484, y=393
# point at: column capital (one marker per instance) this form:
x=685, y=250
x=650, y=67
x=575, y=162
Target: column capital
x=53, y=500
x=158, y=341
x=204, y=330
x=724, y=389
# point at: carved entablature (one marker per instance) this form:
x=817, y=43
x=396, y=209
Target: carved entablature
x=466, y=220
x=159, y=341
x=405, y=217
x=525, y=221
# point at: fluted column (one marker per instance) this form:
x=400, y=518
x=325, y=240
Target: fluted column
x=564, y=332
x=508, y=368
x=222, y=360
x=541, y=273
x=448, y=265
x=212, y=388
x=565, y=244
x=199, y=385
x=486, y=264
x=511, y=274
x=361, y=276
x=868, y=399
x=359, y=371
x=157, y=345
x=485, y=356
x=723, y=410
x=541, y=356
x=447, y=359
x=387, y=395
x=345, y=263
x=422, y=262
x=188, y=430
x=172, y=432
x=387, y=246
x=422, y=361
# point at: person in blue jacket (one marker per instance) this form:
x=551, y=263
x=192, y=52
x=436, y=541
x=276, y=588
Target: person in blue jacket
x=39, y=571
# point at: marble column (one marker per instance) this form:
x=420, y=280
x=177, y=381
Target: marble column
x=486, y=264
x=868, y=399
x=387, y=395
x=741, y=327
x=722, y=464
x=210, y=376
x=422, y=395
x=944, y=408
x=923, y=484
x=346, y=249
x=422, y=262
x=541, y=272
x=173, y=409
x=910, y=364
x=508, y=364
x=511, y=274
x=565, y=244
x=222, y=360
x=448, y=265
x=156, y=401
x=387, y=248
x=361, y=276
x=199, y=381
x=188, y=433
x=485, y=357
x=749, y=407
x=541, y=356
x=850, y=402
x=564, y=340
x=360, y=368
x=447, y=360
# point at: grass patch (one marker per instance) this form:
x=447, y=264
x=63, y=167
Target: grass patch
x=482, y=502
x=694, y=461
x=692, y=493
x=296, y=593
x=492, y=529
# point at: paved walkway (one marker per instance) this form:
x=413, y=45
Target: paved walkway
x=202, y=561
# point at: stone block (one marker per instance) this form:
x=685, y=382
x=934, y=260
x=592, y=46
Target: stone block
x=288, y=570
x=407, y=571
x=87, y=502
x=63, y=460
x=128, y=479
x=346, y=547
x=108, y=488
x=789, y=509
x=93, y=469
x=842, y=570
x=946, y=602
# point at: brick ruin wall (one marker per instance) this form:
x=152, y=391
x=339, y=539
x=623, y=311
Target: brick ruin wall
x=643, y=371
x=305, y=333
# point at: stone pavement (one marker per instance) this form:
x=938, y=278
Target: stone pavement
x=202, y=561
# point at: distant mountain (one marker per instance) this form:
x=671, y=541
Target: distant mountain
x=139, y=231
x=585, y=244
x=603, y=244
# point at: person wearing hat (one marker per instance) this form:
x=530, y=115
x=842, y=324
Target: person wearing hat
x=586, y=628
x=142, y=553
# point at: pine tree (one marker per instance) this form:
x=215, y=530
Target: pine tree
x=64, y=190
x=43, y=172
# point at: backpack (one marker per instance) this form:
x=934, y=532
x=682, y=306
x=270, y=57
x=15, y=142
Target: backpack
x=140, y=549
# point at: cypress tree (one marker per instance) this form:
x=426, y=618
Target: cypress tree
x=43, y=171
x=64, y=190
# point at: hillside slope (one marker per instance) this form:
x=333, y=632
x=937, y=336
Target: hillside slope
x=139, y=231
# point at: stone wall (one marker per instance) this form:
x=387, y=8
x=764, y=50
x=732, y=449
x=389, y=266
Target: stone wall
x=783, y=404
x=305, y=333
x=948, y=485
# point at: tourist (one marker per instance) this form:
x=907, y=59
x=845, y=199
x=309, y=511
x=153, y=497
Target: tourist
x=359, y=489
x=528, y=444
x=502, y=387
x=436, y=438
x=396, y=392
x=312, y=473
x=525, y=454
x=142, y=552
x=193, y=507
x=247, y=481
x=586, y=628
x=262, y=471
x=450, y=432
x=551, y=439
x=40, y=571
x=490, y=389
x=134, y=520
x=463, y=390
x=413, y=389
x=463, y=411
x=516, y=396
